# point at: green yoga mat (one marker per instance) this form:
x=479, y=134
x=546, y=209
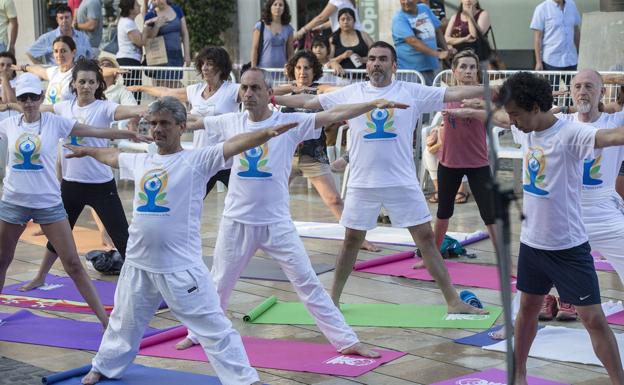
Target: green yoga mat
x=271, y=311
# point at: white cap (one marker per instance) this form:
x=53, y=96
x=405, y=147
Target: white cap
x=28, y=84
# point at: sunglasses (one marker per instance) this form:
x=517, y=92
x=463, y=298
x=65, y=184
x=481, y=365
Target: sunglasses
x=29, y=96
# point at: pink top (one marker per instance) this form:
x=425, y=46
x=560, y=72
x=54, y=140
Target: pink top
x=463, y=142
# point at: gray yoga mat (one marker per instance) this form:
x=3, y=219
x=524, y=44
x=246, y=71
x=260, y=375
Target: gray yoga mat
x=269, y=270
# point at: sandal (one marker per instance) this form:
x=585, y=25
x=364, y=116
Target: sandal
x=461, y=197
x=433, y=198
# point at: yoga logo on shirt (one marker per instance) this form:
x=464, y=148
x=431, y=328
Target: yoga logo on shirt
x=53, y=95
x=535, y=164
x=77, y=140
x=591, y=171
x=27, y=148
x=153, y=192
x=379, y=124
x=253, y=162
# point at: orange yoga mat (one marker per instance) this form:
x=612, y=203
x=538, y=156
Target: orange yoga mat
x=86, y=239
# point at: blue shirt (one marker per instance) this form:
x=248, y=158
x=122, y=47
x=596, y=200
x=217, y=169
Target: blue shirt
x=557, y=26
x=42, y=47
x=423, y=26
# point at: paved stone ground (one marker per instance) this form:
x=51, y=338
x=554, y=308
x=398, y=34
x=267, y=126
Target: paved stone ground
x=18, y=373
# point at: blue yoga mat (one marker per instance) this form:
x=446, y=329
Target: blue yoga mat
x=483, y=338
x=136, y=375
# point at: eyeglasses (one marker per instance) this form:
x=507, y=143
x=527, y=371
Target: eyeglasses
x=29, y=96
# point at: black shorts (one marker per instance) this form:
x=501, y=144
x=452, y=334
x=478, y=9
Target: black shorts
x=571, y=271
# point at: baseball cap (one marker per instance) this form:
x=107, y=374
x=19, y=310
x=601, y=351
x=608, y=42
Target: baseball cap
x=28, y=84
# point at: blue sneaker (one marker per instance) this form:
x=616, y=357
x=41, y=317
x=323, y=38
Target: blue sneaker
x=470, y=298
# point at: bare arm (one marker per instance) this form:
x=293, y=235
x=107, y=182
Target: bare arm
x=609, y=137
x=307, y=101
x=136, y=38
x=537, y=49
x=457, y=94
x=107, y=155
x=88, y=25
x=160, y=92
x=85, y=130
x=613, y=79
x=13, y=27
x=255, y=40
x=47, y=108
x=242, y=142
x=484, y=22
x=418, y=45
x=348, y=111
x=33, y=69
x=499, y=117
x=186, y=43
x=128, y=112
x=318, y=20
x=151, y=28
x=194, y=122
x=290, y=50
x=440, y=38
x=455, y=40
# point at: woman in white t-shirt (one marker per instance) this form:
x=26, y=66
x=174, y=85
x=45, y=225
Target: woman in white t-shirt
x=328, y=18
x=214, y=96
x=31, y=189
x=130, y=42
x=86, y=182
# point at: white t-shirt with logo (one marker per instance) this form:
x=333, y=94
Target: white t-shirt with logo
x=602, y=168
x=381, y=153
x=167, y=206
x=223, y=101
x=58, y=85
x=99, y=114
x=30, y=179
x=258, y=188
x=552, y=179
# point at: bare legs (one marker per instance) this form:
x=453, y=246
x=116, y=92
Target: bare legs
x=9, y=235
x=46, y=265
x=344, y=264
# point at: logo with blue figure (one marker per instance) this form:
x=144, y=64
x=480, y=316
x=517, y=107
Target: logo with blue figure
x=27, y=148
x=380, y=124
x=253, y=162
x=591, y=171
x=153, y=192
x=53, y=94
x=77, y=140
x=535, y=164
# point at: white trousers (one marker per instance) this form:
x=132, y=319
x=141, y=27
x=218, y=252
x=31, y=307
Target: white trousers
x=604, y=222
x=238, y=242
x=192, y=298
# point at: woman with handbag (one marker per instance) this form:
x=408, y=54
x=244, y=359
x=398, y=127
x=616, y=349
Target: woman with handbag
x=272, y=39
x=166, y=26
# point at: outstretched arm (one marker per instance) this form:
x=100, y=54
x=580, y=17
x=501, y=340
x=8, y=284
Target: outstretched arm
x=348, y=111
x=307, y=101
x=128, y=112
x=242, y=142
x=457, y=94
x=106, y=155
x=85, y=130
x=609, y=137
x=499, y=117
x=159, y=92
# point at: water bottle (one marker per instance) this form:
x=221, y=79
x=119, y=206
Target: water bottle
x=470, y=298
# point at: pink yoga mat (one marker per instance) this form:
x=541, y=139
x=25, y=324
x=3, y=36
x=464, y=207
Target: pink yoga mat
x=600, y=263
x=616, y=319
x=492, y=377
x=274, y=354
x=465, y=274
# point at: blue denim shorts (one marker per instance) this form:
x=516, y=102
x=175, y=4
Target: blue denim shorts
x=20, y=215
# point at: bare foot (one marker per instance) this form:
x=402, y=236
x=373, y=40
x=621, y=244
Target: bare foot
x=360, y=350
x=419, y=265
x=463, y=308
x=499, y=334
x=91, y=378
x=35, y=283
x=368, y=246
x=184, y=344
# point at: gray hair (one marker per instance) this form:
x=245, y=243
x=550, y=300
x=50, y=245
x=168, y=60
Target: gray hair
x=268, y=79
x=170, y=104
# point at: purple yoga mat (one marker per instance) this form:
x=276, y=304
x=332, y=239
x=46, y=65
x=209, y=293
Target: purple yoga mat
x=64, y=288
x=465, y=274
x=492, y=377
x=274, y=354
x=616, y=319
x=29, y=328
x=601, y=264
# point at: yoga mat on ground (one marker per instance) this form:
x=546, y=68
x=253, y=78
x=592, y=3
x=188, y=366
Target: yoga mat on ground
x=600, y=263
x=492, y=377
x=483, y=338
x=563, y=344
x=269, y=270
x=59, y=294
x=465, y=274
x=28, y=328
x=274, y=354
x=135, y=375
x=86, y=239
x=387, y=235
x=272, y=311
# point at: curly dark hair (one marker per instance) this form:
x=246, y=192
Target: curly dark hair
x=90, y=65
x=317, y=67
x=218, y=56
x=266, y=13
x=527, y=90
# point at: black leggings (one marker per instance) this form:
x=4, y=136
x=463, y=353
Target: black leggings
x=103, y=198
x=222, y=176
x=449, y=180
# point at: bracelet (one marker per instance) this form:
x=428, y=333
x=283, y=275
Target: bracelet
x=273, y=101
x=24, y=67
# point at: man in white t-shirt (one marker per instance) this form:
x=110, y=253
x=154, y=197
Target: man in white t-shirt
x=382, y=164
x=257, y=215
x=553, y=241
x=164, y=255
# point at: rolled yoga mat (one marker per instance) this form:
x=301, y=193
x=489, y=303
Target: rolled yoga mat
x=465, y=274
x=270, y=270
x=59, y=294
x=274, y=354
x=272, y=311
x=28, y=328
x=492, y=377
x=135, y=375
x=381, y=235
